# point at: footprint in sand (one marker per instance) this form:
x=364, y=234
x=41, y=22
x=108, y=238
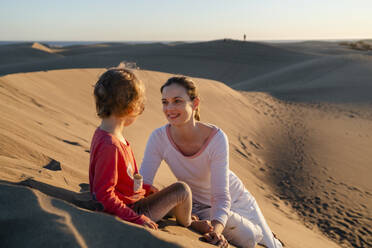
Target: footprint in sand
x=36, y=103
x=255, y=145
x=72, y=142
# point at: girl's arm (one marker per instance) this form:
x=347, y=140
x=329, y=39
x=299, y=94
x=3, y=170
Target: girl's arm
x=105, y=180
x=151, y=162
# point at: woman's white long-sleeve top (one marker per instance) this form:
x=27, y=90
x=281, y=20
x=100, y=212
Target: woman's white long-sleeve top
x=207, y=172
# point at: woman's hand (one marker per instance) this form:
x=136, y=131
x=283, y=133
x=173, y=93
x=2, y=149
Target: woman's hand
x=150, y=224
x=216, y=238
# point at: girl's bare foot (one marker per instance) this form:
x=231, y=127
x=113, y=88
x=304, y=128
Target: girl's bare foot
x=201, y=226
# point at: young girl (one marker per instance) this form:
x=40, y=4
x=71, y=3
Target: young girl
x=198, y=153
x=113, y=173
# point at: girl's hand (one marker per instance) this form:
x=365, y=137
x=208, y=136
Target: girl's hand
x=152, y=190
x=216, y=238
x=194, y=217
x=150, y=224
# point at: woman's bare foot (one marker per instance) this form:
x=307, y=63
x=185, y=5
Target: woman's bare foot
x=201, y=226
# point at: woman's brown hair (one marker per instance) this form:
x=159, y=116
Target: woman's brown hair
x=190, y=88
x=119, y=92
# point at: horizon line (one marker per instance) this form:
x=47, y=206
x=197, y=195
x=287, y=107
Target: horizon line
x=289, y=39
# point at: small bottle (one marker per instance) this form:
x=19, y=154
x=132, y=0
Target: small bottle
x=138, y=181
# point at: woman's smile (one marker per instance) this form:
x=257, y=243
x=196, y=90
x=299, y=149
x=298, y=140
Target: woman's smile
x=173, y=116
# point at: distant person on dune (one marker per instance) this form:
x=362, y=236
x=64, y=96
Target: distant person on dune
x=198, y=154
x=113, y=173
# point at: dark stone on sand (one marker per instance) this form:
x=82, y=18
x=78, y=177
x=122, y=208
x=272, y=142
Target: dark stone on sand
x=84, y=187
x=53, y=165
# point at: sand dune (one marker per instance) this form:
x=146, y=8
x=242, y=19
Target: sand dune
x=41, y=126
x=24, y=53
x=44, y=48
x=227, y=61
x=50, y=222
x=307, y=164
x=318, y=48
x=332, y=79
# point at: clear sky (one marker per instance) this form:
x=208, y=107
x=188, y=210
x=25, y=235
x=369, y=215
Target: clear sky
x=141, y=20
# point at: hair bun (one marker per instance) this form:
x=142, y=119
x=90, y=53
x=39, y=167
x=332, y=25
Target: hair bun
x=100, y=90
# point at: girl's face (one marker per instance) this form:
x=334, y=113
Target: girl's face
x=177, y=105
x=132, y=117
x=129, y=120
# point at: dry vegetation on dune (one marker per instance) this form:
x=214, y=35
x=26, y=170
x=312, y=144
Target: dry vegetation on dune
x=358, y=45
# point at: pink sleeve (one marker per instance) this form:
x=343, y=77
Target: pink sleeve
x=105, y=180
x=221, y=201
x=151, y=159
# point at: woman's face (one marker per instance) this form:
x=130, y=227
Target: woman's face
x=177, y=105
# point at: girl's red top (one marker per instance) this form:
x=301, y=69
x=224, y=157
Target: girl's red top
x=111, y=169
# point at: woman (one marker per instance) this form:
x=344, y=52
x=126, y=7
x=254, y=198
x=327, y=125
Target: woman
x=198, y=154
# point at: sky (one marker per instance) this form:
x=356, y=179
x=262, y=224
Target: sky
x=179, y=20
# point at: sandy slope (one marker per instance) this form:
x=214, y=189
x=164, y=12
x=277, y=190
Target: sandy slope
x=49, y=116
x=307, y=162
x=332, y=79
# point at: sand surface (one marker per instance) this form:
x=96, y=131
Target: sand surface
x=300, y=133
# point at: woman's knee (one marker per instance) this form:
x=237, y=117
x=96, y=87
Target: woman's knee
x=242, y=232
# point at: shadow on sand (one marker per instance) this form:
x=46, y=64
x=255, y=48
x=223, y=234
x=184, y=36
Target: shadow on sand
x=82, y=199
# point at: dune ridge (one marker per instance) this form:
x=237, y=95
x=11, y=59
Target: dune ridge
x=228, y=61
x=39, y=46
x=24, y=53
